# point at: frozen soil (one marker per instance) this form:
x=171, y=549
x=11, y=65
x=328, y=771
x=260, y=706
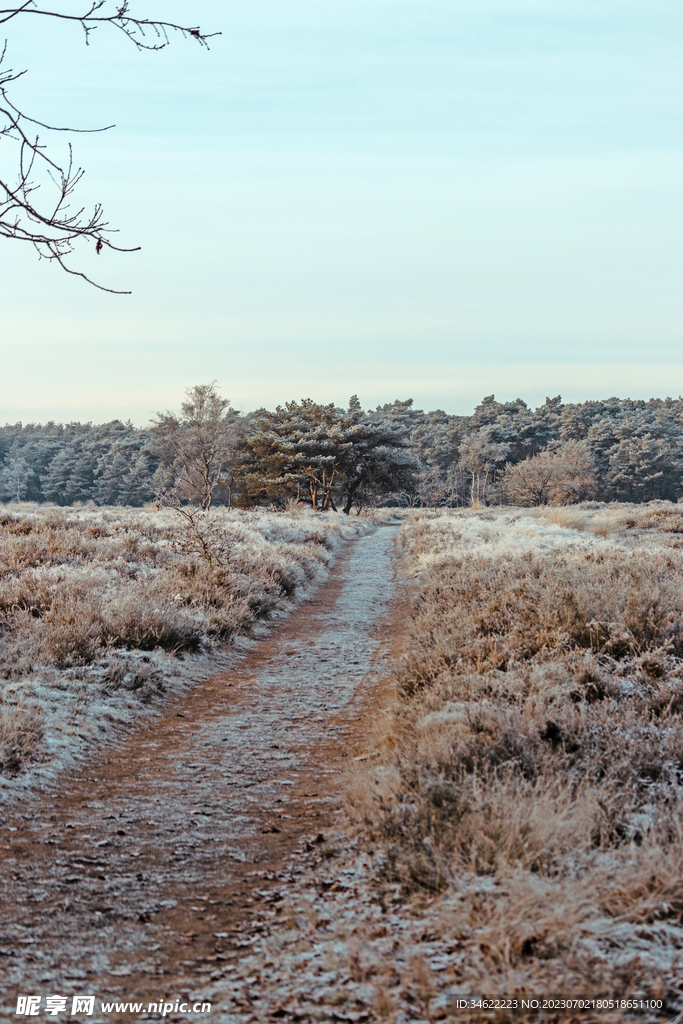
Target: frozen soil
x=207, y=855
x=106, y=611
x=364, y=928
x=135, y=876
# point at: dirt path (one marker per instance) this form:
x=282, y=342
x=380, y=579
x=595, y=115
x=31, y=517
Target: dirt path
x=134, y=880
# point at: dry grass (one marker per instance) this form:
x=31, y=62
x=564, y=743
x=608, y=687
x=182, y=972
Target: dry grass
x=532, y=781
x=618, y=519
x=21, y=732
x=98, y=607
x=518, y=826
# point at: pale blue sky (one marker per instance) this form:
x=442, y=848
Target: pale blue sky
x=430, y=199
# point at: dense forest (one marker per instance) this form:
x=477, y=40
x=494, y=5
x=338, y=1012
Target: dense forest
x=332, y=458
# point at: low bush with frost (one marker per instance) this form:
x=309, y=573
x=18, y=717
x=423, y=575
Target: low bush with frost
x=531, y=781
x=98, y=607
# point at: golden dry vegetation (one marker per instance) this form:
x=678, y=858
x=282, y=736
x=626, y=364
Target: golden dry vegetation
x=514, y=825
x=529, y=784
x=99, y=608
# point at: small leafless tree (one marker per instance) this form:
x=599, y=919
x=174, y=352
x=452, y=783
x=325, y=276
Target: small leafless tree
x=481, y=456
x=562, y=475
x=198, y=444
x=197, y=447
x=37, y=192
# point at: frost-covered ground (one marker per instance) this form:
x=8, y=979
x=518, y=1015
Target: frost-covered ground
x=131, y=874
x=517, y=829
x=105, y=610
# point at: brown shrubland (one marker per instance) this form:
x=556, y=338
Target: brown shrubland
x=530, y=784
x=92, y=599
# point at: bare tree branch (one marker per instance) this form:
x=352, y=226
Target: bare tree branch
x=36, y=205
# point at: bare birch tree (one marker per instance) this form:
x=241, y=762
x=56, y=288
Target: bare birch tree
x=481, y=456
x=198, y=444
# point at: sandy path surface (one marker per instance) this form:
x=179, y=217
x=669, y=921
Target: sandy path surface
x=134, y=879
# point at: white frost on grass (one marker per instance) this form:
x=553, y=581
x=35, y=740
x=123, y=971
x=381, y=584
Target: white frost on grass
x=326, y=938
x=530, y=792
x=433, y=538
x=85, y=591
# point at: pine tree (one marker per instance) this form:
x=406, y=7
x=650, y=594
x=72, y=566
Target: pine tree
x=322, y=455
x=292, y=453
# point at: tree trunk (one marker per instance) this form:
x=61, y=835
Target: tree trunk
x=350, y=495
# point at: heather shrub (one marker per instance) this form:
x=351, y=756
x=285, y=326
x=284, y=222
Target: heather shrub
x=530, y=777
x=83, y=592
x=491, y=613
x=21, y=734
x=133, y=623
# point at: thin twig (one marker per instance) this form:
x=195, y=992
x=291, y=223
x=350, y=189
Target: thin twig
x=54, y=229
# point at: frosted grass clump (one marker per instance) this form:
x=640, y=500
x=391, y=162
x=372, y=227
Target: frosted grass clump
x=530, y=779
x=104, y=610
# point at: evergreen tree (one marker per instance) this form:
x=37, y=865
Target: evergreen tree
x=636, y=468
x=323, y=455
x=378, y=460
x=293, y=453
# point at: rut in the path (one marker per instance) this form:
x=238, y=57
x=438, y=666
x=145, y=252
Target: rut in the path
x=126, y=880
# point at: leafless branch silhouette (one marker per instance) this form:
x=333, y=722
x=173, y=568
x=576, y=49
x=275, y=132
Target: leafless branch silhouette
x=36, y=198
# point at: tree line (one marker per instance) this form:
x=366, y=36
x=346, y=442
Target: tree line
x=331, y=458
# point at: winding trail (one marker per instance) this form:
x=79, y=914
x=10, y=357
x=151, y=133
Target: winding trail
x=135, y=878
